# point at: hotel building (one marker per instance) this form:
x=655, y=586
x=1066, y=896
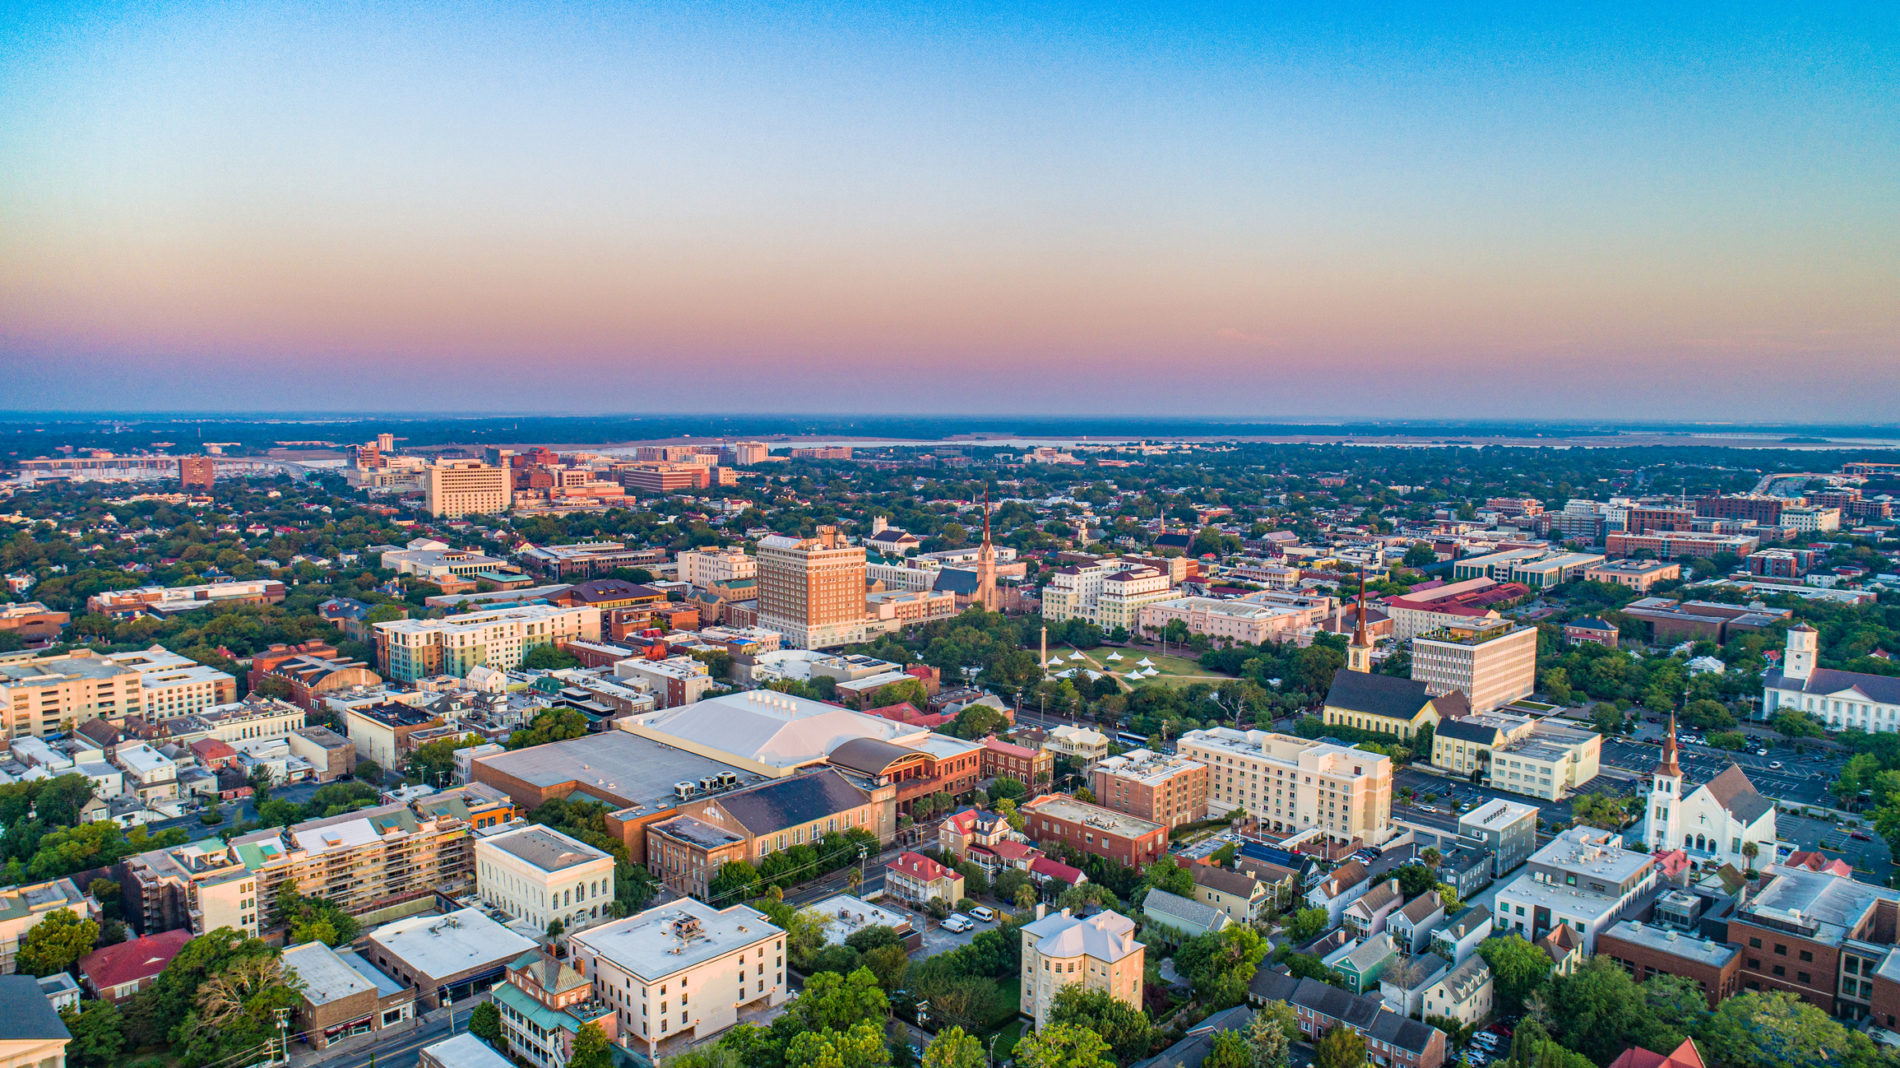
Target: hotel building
x=1292, y=784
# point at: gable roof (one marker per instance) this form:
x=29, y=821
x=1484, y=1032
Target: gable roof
x=1737, y=795
x=1383, y=696
x=1220, y=880
x=25, y=1013
x=1421, y=907
x=1883, y=689
x=126, y=962
x=1364, y=1014
x=1183, y=914
x=1380, y=897
x=1685, y=1056
x=1344, y=878
x=919, y=866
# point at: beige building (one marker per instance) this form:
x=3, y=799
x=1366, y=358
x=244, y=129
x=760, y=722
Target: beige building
x=1293, y=784
x=683, y=971
x=175, y=685
x=412, y=649
x=1491, y=661
x=1108, y=592
x=23, y=907
x=200, y=887
x=1239, y=622
x=703, y=568
x=1465, y=994
x=1524, y=755
x=466, y=487
x=537, y=874
x=1079, y=743
x=252, y=718
x=41, y=695
x=1097, y=952
x=811, y=590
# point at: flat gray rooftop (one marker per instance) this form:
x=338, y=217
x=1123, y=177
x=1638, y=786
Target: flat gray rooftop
x=545, y=848
x=615, y=765
x=676, y=936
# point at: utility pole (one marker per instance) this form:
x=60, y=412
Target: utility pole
x=283, y=1035
x=448, y=1002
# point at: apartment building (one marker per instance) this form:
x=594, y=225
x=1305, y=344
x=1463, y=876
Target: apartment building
x=1584, y=880
x=703, y=568
x=683, y=971
x=411, y=649
x=1491, y=661
x=1294, y=784
x=23, y=907
x=811, y=590
x=1033, y=768
x=1239, y=622
x=197, y=887
x=1522, y=754
x=150, y=774
x=1077, y=743
x=1393, y=1040
x=42, y=695
x=453, y=488
x=1096, y=952
x=674, y=681
x=537, y=874
x=381, y=732
x=174, y=685
x=1679, y=544
x=1168, y=790
x=247, y=720
x=1108, y=592
x=1649, y=949
x=1505, y=830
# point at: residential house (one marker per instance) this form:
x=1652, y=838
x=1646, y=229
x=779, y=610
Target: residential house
x=1181, y=917
x=1341, y=887
x=1360, y=965
x=1464, y=994
x=918, y=880
x=1097, y=952
x=1241, y=896
x=1366, y=916
x=1460, y=937
x=117, y=972
x=1403, y=984
x=1412, y=924
x=1392, y=1040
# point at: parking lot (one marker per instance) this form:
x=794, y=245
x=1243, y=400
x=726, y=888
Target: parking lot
x=937, y=940
x=1868, y=855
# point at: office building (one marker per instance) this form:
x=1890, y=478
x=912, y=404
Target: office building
x=342, y=995
x=1679, y=545
x=1492, y=661
x=1294, y=784
x=703, y=568
x=1168, y=790
x=1646, y=950
x=1583, y=879
x=1671, y=620
x=197, y=474
x=166, y=601
x=1097, y=952
x=444, y=957
x=1638, y=575
x=454, y=488
x=537, y=874
x=1822, y=937
x=683, y=971
x=1425, y=610
x=33, y=622
x=42, y=695
x=411, y=649
x=1505, y=830
x=1523, y=754
x=811, y=590
x=1060, y=820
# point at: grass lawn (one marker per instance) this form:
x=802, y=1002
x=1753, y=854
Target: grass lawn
x=1175, y=670
x=1007, y=1038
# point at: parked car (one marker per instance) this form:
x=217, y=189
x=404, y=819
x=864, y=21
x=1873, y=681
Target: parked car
x=1860, y=836
x=1761, y=752
x=984, y=913
x=958, y=923
x=1774, y=765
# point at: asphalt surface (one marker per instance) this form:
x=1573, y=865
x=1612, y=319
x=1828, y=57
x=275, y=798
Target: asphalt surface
x=400, y=1049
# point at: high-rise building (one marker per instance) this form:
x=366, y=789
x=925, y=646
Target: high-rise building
x=811, y=590
x=705, y=568
x=747, y=453
x=197, y=473
x=466, y=487
x=47, y=694
x=411, y=649
x=1494, y=661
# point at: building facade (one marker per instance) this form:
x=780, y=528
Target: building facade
x=453, y=488
x=1170, y=791
x=1293, y=784
x=412, y=649
x=538, y=875
x=811, y=590
x=1492, y=662
x=1097, y=952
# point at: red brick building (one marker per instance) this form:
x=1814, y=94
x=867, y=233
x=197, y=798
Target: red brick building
x=1032, y=767
x=1645, y=950
x=1170, y=791
x=1058, y=820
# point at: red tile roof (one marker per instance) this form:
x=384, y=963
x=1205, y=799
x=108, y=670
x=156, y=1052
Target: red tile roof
x=918, y=866
x=1009, y=748
x=1055, y=869
x=138, y=959
x=1685, y=1056
x=1815, y=860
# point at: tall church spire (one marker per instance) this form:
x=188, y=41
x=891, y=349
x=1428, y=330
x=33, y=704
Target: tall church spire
x=986, y=561
x=1359, y=650
x=1667, y=765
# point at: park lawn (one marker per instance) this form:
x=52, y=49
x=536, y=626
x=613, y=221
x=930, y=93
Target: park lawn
x=1175, y=670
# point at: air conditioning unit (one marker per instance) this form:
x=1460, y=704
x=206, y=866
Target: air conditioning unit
x=684, y=791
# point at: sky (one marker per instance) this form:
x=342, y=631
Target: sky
x=1269, y=210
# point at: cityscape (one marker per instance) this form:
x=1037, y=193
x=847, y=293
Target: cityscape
x=850, y=536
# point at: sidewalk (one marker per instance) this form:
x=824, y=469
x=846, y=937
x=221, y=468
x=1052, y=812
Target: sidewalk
x=302, y=1054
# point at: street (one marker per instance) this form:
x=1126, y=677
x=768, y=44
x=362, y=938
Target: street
x=392, y=1049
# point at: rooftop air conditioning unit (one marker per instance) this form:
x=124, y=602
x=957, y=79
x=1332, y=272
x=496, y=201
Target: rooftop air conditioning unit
x=684, y=790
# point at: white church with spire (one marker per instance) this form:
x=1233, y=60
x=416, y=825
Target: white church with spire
x=1718, y=821
x=1841, y=700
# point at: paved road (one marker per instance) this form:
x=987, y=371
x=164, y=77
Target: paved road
x=399, y=1049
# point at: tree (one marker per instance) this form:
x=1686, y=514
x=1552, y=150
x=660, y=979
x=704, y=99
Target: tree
x=890, y=964
x=370, y=772
x=1305, y=925
x=1167, y=874
x=1271, y=1033
x=834, y=1002
x=1518, y=969
x=1220, y=965
x=554, y=725
x=434, y=762
x=56, y=943
x=312, y=919
x=861, y=1045
x=1599, y=1011
x=98, y=1034
x=953, y=1048
x=485, y=1023
x=1770, y=1030
x=1342, y=1047
x=1063, y=1046
x=260, y=782
x=1229, y=1051
x=549, y=658
x=590, y=1049
x=1126, y=1029
x=736, y=880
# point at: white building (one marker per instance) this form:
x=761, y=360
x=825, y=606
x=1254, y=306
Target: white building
x=683, y=969
x=175, y=685
x=1108, y=592
x=1839, y=699
x=537, y=874
x=702, y=568
x=1718, y=821
x=150, y=774
x=23, y=907
x=1583, y=879
x=1493, y=661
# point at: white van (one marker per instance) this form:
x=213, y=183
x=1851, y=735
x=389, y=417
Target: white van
x=957, y=922
x=984, y=913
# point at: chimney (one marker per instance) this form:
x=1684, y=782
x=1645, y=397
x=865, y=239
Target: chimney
x=1042, y=910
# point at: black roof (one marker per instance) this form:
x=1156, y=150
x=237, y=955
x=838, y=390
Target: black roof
x=800, y=799
x=1364, y=1014
x=25, y=1014
x=1466, y=730
x=1193, y=1049
x=1387, y=696
x=954, y=580
x=1881, y=688
x=1174, y=541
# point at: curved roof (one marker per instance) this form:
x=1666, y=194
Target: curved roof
x=870, y=755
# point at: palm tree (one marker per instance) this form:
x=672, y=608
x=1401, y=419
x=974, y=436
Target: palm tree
x=854, y=880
